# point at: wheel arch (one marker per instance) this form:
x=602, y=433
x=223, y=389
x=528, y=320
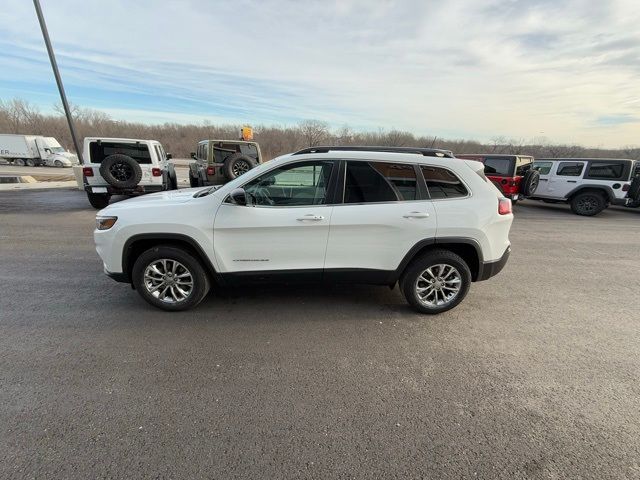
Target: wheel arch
x=605, y=189
x=467, y=248
x=140, y=243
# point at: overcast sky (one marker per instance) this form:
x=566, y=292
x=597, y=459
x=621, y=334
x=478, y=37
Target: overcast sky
x=565, y=70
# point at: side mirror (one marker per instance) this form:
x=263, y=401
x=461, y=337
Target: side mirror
x=238, y=196
x=193, y=155
x=47, y=150
x=169, y=156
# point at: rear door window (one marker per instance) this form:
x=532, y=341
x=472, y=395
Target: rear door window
x=605, y=171
x=101, y=150
x=373, y=182
x=570, y=169
x=501, y=167
x=443, y=183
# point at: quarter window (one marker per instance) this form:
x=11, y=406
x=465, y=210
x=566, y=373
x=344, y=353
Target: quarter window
x=612, y=171
x=570, y=169
x=292, y=185
x=442, y=183
x=371, y=182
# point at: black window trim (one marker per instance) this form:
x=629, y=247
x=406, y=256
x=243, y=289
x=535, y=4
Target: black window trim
x=580, y=175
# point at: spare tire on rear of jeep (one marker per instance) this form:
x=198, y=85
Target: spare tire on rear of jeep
x=236, y=164
x=121, y=171
x=529, y=183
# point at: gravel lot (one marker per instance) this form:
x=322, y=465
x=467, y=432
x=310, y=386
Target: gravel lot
x=535, y=375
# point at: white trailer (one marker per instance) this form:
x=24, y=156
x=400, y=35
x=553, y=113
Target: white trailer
x=34, y=150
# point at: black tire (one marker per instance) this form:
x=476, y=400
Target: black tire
x=193, y=181
x=236, y=164
x=588, y=203
x=199, y=277
x=529, y=183
x=121, y=171
x=58, y=164
x=173, y=180
x=19, y=162
x=413, y=274
x=99, y=200
x=634, y=189
x=29, y=162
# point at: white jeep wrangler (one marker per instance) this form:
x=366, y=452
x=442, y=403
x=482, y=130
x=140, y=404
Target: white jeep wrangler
x=589, y=185
x=125, y=166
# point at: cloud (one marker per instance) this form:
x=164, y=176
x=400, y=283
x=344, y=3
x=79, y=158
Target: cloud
x=457, y=68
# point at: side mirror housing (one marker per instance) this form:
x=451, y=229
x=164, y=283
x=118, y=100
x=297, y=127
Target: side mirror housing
x=238, y=196
x=193, y=155
x=169, y=156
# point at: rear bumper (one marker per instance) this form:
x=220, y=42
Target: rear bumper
x=490, y=269
x=124, y=191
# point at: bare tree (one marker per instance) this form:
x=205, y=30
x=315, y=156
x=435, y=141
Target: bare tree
x=313, y=132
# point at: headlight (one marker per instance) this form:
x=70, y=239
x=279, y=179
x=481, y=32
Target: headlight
x=105, y=223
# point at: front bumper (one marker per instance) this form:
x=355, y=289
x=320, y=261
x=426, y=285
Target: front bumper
x=487, y=270
x=118, y=277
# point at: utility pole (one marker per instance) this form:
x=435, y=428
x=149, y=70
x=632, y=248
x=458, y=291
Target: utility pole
x=56, y=73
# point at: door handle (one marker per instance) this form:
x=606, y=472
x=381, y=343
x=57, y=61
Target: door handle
x=310, y=217
x=544, y=180
x=416, y=215
x=572, y=181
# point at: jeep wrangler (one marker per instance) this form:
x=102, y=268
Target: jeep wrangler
x=124, y=166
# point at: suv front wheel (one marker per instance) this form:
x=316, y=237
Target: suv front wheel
x=436, y=282
x=170, y=278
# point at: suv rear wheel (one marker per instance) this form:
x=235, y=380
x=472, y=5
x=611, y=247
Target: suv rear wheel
x=588, y=203
x=170, y=278
x=436, y=282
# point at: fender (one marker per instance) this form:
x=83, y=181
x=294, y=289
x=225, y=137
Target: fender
x=127, y=249
x=427, y=242
x=611, y=196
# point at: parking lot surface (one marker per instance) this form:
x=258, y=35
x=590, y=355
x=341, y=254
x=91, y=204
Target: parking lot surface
x=535, y=375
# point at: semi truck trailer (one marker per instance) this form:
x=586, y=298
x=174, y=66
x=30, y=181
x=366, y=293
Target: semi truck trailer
x=34, y=150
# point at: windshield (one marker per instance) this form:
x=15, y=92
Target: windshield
x=57, y=149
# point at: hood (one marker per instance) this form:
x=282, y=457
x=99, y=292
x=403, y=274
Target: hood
x=172, y=197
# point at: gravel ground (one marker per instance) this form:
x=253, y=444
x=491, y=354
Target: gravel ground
x=535, y=375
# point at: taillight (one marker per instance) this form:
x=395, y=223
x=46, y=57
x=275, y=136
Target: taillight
x=626, y=187
x=156, y=172
x=211, y=171
x=504, y=206
x=87, y=171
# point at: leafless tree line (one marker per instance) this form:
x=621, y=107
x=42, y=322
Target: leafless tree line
x=19, y=116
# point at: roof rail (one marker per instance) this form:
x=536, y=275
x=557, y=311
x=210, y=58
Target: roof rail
x=427, y=152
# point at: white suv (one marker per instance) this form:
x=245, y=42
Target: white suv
x=125, y=166
x=417, y=217
x=589, y=185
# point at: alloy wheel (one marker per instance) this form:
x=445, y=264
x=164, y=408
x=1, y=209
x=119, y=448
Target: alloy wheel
x=240, y=167
x=438, y=285
x=168, y=280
